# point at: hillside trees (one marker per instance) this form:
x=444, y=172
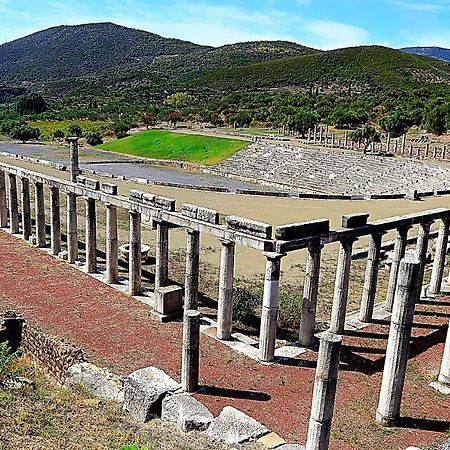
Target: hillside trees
x=31, y=104
x=395, y=123
x=365, y=135
x=25, y=133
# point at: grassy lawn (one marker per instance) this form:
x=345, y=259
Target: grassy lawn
x=48, y=127
x=160, y=144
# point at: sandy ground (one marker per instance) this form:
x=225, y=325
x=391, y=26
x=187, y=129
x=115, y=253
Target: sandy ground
x=275, y=211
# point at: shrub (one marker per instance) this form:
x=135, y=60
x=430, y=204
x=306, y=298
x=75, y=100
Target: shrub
x=245, y=305
x=58, y=134
x=94, y=138
x=25, y=133
x=74, y=130
x=7, y=358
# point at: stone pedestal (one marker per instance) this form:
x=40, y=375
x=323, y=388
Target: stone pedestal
x=168, y=302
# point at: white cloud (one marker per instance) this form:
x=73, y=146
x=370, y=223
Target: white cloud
x=438, y=5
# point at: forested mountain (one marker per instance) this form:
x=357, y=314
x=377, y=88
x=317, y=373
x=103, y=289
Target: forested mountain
x=432, y=52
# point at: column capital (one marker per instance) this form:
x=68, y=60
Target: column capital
x=191, y=230
x=273, y=256
x=227, y=242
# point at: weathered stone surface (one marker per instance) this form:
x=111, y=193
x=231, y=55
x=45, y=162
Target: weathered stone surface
x=168, y=299
x=98, y=381
x=92, y=184
x=189, y=210
x=271, y=440
x=134, y=194
x=291, y=447
x=148, y=199
x=301, y=230
x=208, y=215
x=81, y=180
x=259, y=229
x=109, y=188
x=63, y=255
x=186, y=412
x=233, y=427
x=144, y=391
x=354, y=220
x=164, y=203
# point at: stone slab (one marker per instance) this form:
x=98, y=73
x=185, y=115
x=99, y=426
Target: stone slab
x=234, y=427
x=301, y=230
x=249, y=226
x=271, y=440
x=109, y=188
x=186, y=412
x=168, y=299
x=441, y=388
x=354, y=220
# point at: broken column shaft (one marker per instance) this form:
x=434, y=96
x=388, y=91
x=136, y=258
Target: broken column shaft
x=13, y=205
x=225, y=304
x=192, y=268
x=40, y=214
x=112, y=267
x=134, y=272
x=55, y=218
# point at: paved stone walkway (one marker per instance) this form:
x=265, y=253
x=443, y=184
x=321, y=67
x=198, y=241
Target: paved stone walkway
x=116, y=331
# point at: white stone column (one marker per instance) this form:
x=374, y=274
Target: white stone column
x=162, y=255
x=3, y=207
x=320, y=135
x=40, y=214
x=324, y=394
x=191, y=350
x=371, y=278
x=74, y=165
x=269, y=313
x=192, y=269
x=439, y=258
x=388, y=143
x=225, y=304
x=427, y=149
x=310, y=291
x=339, y=309
x=112, y=266
x=72, y=233
x=26, y=209
x=403, y=143
x=55, y=217
x=399, y=253
x=397, y=349
x=444, y=374
x=421, y=251
x=91, y=236
x=346, y=138
x=315, y=134
x=13, y=205
x=134, y=273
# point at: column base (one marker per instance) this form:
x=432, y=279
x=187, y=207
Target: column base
x=386, y=421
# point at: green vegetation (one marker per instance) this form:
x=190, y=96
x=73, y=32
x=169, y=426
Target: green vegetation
x=176, y=146
x=7, y=361
x=59, y=130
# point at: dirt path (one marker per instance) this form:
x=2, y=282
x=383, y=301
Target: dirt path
x=116, y=331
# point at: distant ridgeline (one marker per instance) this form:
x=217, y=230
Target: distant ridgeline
x=103, y=58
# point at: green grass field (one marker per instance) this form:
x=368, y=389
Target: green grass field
x=160, y=144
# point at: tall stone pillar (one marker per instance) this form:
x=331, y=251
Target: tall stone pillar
x=134, y=274
x=427, y=149
x=388, y=143
x=403, y=143
x=13, y=205
x=421, y=251
x=40, y=214
x=26, y=208
x=91, y=236
x=396, y=146
x=3, y=207
x=444, y=374
x=397, y=349
x=437, y=272
x=112, y=267
x=443, y=152
x=371, y=278
x=434, y=152
x=192, y=269
x=309, y=136
x=320, y=135
x=162, y=255
x=339, y=309
x=74, y=165
x=55, y=217
x=333, y=138
x=72, y=233
x=315, y=134
x=190, y=360
x=325, y=383
x=346, y=138
x=269, y=313
x=399, y=253
x=310, y=291
x=225, y=305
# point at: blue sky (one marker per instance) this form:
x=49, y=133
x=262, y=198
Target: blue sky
x=322, y=24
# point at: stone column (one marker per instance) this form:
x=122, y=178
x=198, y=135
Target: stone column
x=55, y=217
x=346, y=138
x=339, y=309
x=399, y=253
x=397, y=349
x=320, y=135
x=324, y=394
x=434, y=152
x=396, y=146
x=443, y=152
x=40, y=214
x=225, y=305
x=421, y=251
x=134, y=273
x=13, y=205
x=112, y=267
x=74, y=166
x=371, y=278
x=26, y=208
x=403, y=143
x=3, y=207
x=91, y=236
x=444, y=374
x=72, y=233
x=310, y=290
x=192, y=268
x=427, y=149
x=309, y=136
x=191, y=350
x=162, y=255
x=388, y=143
x=315, y=134
x=269, y=311
x=333, y=137
x=439, y=258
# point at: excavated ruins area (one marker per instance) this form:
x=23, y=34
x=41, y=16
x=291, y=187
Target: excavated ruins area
x=333, y=171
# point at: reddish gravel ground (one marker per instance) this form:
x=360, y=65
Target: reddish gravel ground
x=116, y=331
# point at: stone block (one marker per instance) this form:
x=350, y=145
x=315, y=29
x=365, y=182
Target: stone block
x=64, y=255
x=144, y=390
x=301, y=230
x=134, y=194
x=148, y=199
x=244, y=225
x=99, y=382
x=92, y=184
x=271, y=440
x=81, y=180
x=164, y=203
x=291, y=447
x=233, y=427
x=186, y=412
x=354, y=220
x=168, y=299
x=108, y=188
x=189, y=210
x=208, y=215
